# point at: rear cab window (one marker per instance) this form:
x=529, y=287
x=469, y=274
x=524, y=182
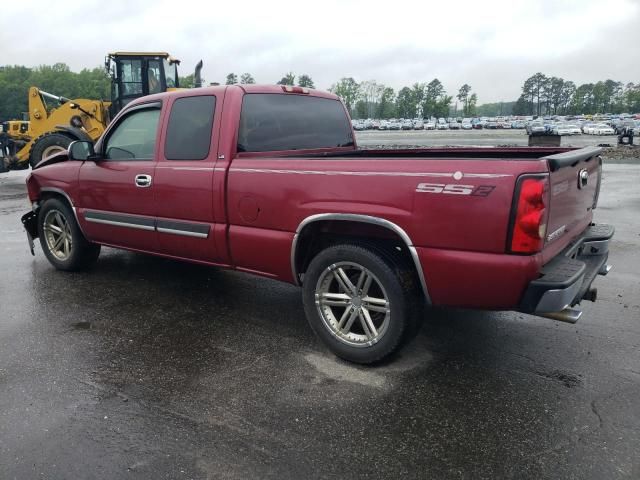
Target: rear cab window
x=276, y=122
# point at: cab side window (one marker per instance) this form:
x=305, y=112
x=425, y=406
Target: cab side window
x=134, y=138
x=189, y=130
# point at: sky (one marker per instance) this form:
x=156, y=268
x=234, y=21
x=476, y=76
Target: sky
x=493, y=45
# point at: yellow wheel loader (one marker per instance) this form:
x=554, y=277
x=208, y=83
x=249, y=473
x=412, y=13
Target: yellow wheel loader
x=51, y=128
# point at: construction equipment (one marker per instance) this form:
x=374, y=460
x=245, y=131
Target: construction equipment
x=50, y=129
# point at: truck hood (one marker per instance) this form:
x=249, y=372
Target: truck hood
x=51, y=159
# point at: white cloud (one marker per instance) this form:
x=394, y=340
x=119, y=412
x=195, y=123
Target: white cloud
x=492, y=45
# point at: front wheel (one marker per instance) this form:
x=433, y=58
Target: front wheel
x=358, y=301
x=61, y=239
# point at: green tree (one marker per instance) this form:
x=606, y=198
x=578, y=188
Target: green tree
x=386, y=107
x=232, y=79
x=361, y=109
x=529, y=95
x=187, y=81
x=305, y=80
x=464, y=96
x=418, y=91
x=554, y=87
x=586, y=97
x=521, y=106
x=539, y=81
x=246, y=78
x=347, y=89
x=288, y=79
x=471, y=105
x=432, y=93
x=495, y=109
x=632, y=97
x=442, y=106
x=405, y=103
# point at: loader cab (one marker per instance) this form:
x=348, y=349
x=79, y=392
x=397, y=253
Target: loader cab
x=135, y=74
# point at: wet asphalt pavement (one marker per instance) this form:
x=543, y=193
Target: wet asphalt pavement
x=150, y=368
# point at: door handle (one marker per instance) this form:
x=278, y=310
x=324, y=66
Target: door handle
x=143, y=180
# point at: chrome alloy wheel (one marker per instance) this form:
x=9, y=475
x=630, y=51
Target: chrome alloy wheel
x=353, y=304
x=57, y=232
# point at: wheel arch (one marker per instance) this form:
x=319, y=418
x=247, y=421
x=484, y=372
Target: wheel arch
x=53, y=192
x=379, y=227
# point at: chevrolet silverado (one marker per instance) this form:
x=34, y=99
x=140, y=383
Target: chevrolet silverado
x=269, y=180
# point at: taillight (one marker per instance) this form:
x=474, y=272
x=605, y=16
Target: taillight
x=529, y=220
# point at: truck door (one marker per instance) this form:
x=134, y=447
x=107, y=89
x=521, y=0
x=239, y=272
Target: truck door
x=184, y=181
x=116, y=203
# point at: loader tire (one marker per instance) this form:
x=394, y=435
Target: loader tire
x=47, y=145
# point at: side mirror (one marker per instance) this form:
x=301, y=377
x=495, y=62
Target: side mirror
x=81, y=150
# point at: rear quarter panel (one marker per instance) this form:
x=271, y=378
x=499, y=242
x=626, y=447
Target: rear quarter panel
x=268, y=198
x=284, y=191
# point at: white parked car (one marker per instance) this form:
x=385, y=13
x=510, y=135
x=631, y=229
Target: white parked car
x=602, y=129
x=429, y=126
x=407, y=125
x=561, y=129
x=575, y=129
x=418, y=125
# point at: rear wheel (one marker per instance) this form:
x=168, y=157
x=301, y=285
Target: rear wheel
x=47, y=145
x=359, y=302
x=61, y=240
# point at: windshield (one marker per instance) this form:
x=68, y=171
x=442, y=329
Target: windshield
x=171, y=73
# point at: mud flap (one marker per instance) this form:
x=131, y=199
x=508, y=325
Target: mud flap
x=30, y=223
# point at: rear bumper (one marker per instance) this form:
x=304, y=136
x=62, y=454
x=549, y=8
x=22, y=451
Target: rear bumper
x=566, y=280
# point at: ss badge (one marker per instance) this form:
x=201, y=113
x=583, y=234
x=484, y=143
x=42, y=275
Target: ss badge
x=455, y=189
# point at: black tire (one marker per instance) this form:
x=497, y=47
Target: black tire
x=81, y=253
x=390, y=279
x=47, y=142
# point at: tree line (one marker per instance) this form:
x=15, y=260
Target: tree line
x=544, y=95
x=370, y=99
x=57, y=79
x=541, y=94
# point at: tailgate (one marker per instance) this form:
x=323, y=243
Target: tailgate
x=574, y=185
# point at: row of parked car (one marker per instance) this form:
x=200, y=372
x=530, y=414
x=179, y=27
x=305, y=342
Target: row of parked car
x=435, y=124
x=578, y=127
x=549, y=125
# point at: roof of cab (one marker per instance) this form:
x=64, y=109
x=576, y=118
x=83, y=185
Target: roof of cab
x=220, y=89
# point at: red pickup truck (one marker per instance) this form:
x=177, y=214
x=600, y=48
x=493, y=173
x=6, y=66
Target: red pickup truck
x=269, y=180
